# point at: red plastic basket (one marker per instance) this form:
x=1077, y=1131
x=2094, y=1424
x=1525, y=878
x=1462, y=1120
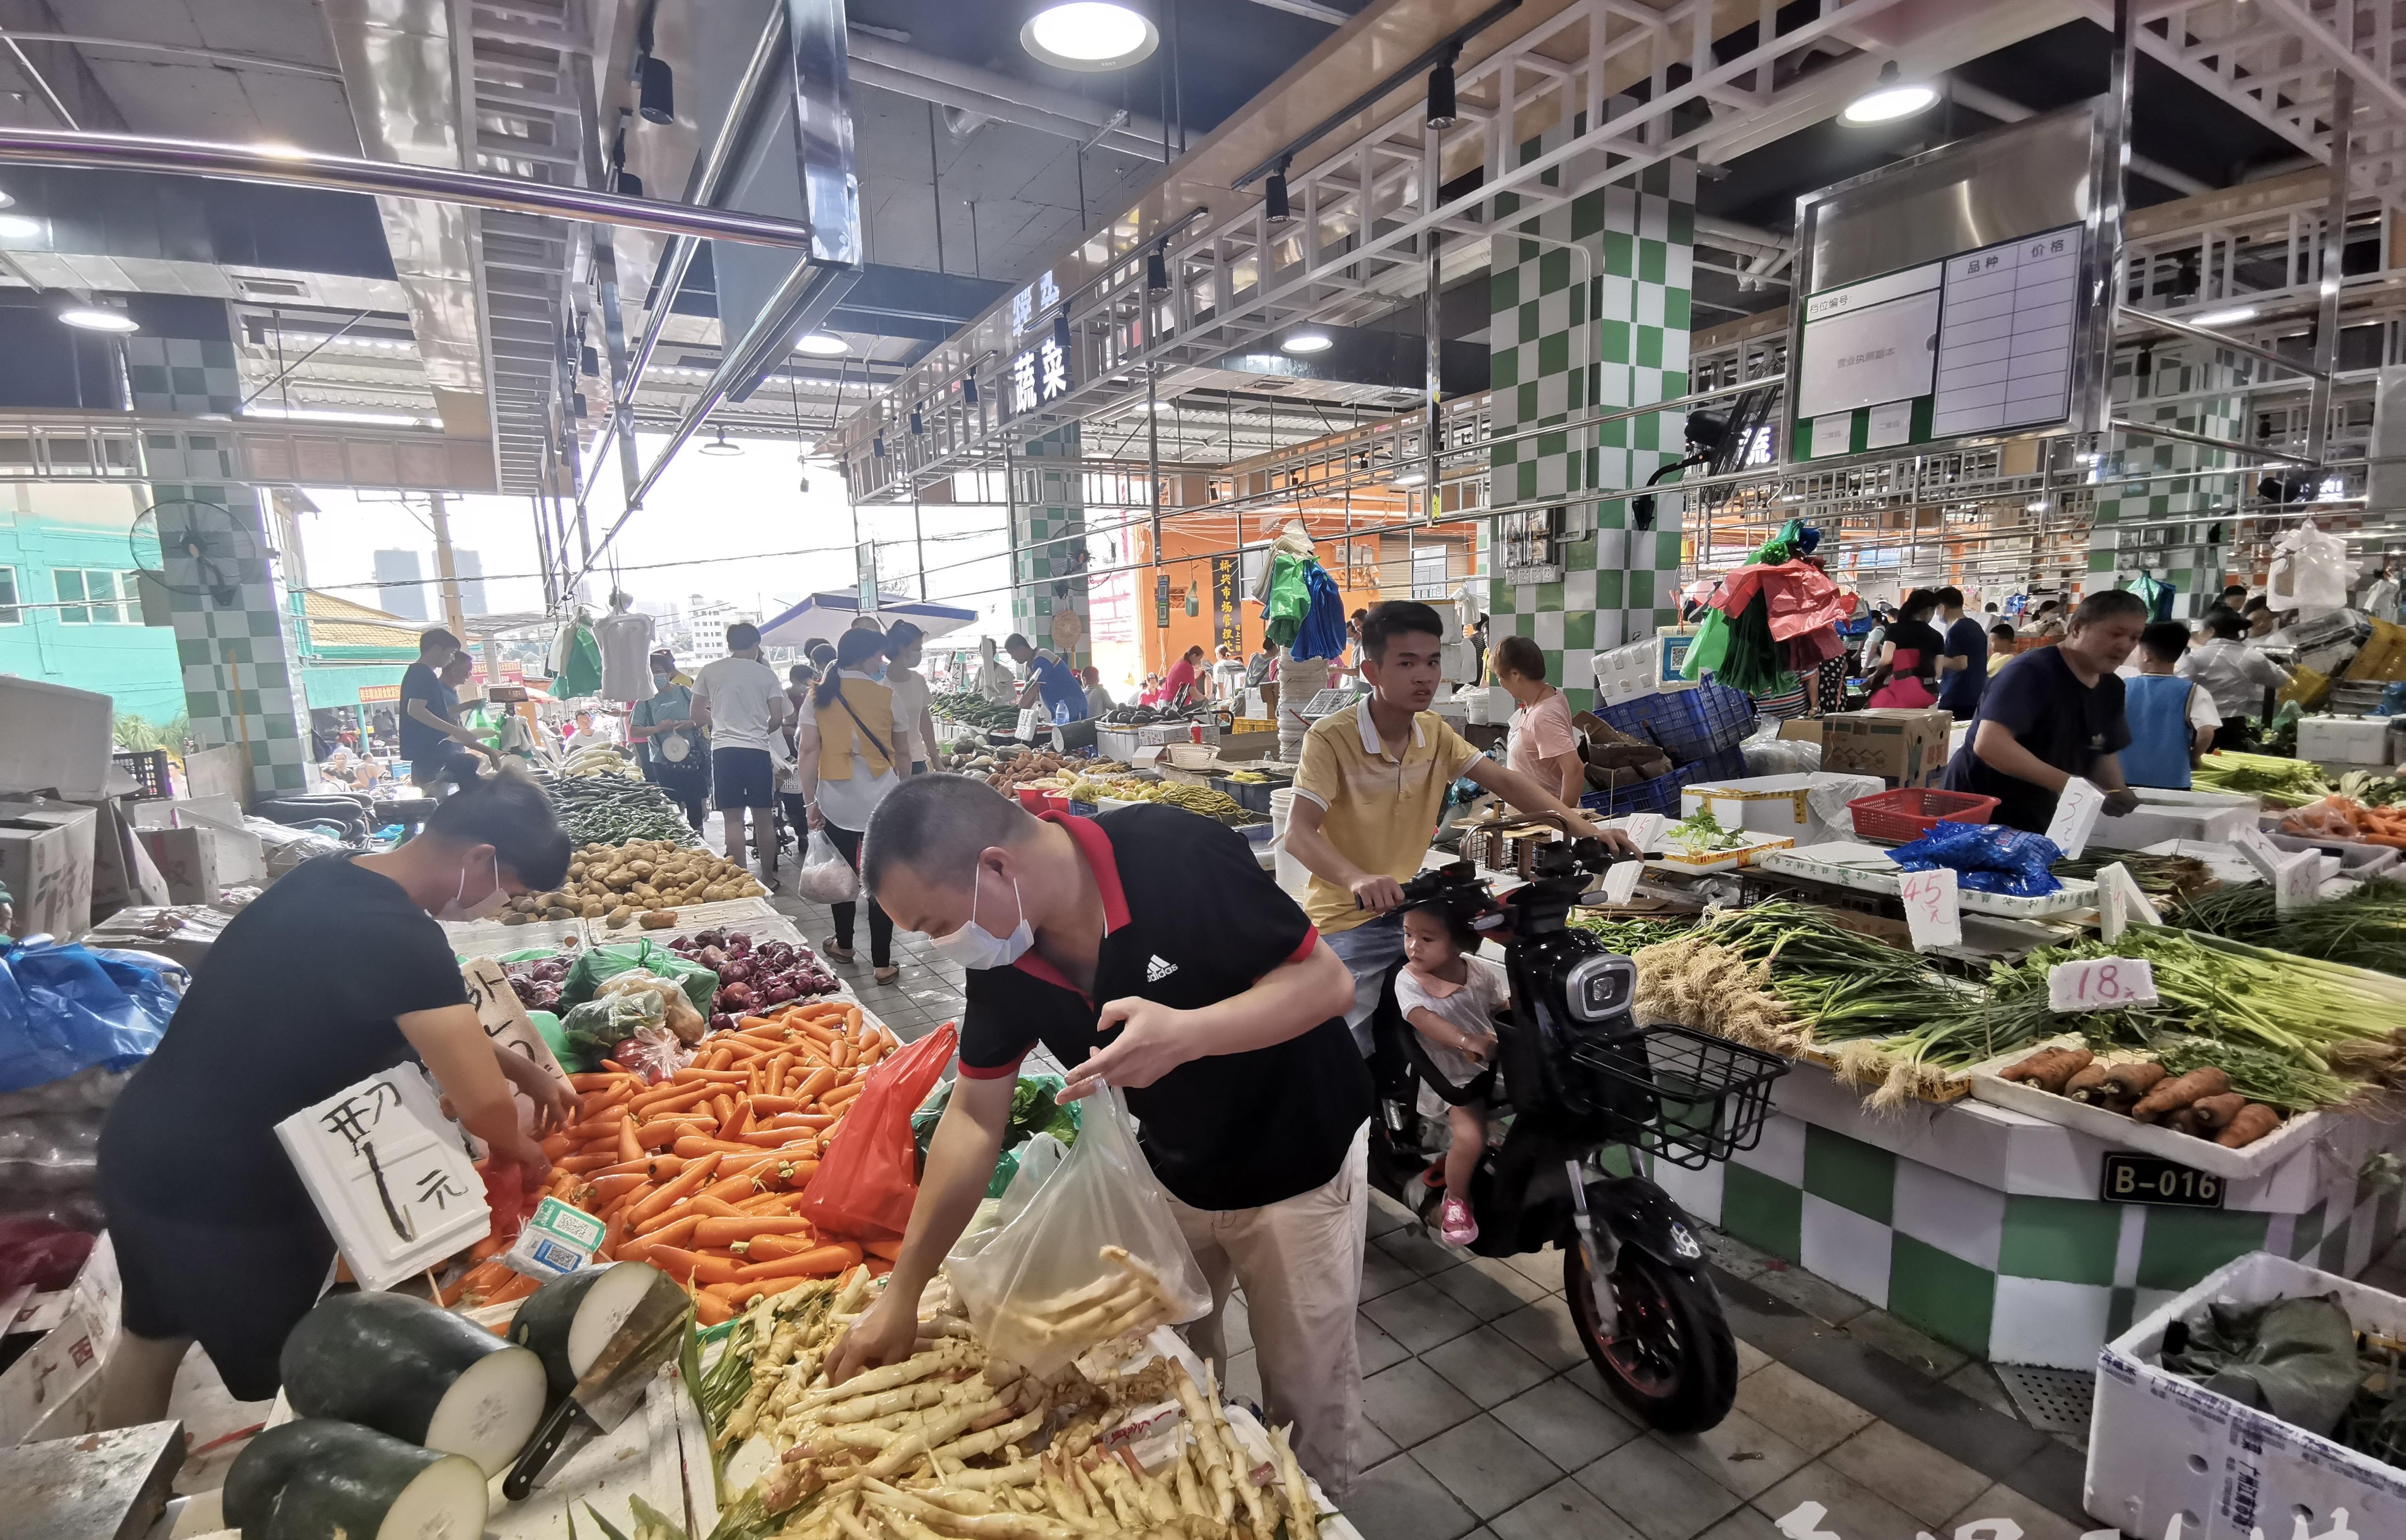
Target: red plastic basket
x=1905, y=814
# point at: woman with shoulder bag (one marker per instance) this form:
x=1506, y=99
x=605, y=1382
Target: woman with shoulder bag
x=847, y=748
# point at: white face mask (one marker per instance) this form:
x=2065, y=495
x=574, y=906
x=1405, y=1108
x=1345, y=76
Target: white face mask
x=974, y=946
x=483, y=909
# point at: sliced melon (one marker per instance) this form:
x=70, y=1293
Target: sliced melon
x=362, y=1485
x=569, y=1321
x=259, y=1473
x=412, y=1369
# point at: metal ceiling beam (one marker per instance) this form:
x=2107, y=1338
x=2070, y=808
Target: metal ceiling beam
x=897, y=66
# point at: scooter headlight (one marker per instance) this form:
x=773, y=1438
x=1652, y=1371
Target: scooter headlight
x=1599, y=988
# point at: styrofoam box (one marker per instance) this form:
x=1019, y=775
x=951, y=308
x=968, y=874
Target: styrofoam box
x=1869, y=868
x=2162, y=1446
x=2209, y=816
x=2295, y=1136
x=1776, y=804
x=2349, y=740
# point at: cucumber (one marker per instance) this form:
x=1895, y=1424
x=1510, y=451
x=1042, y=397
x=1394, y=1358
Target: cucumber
x=569, y=1321
x=360, y=1484
x=416, y=1371
x=259, y=1473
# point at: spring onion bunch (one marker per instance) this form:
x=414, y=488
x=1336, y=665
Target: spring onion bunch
x=2364, y=929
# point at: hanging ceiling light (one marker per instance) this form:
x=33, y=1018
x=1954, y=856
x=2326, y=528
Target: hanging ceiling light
x=1441, y=110
x=1889, y=99
x=1092, y=35
x=97, y=318
x=1307, y=342
x=656, y=90
x=1274, y=204
x=720, y=446
x=818, y=345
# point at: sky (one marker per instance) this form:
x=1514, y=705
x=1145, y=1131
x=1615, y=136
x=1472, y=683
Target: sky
x=736, y=527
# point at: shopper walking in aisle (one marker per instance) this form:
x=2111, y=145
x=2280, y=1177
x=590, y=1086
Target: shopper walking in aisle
x=333, y=974
x=1544, y=746
x=846, y=754
x=1371, y=789
x=2173, y=720
x=427, y=705
x=2240, y=678
x=1962, y=657
x=1149, y=949
x=2055, y=715
x=1227, y=674
x=738, y=702
x=1906, y=668
x=906, y=644
x=676, y=755
x=1049, y=681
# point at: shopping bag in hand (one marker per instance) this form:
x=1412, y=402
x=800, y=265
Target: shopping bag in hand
x=869, y=1176
x=826, y=877
x=1095, y=1254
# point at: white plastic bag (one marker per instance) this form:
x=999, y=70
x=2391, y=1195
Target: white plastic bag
x=1093, y=1254
x=826, y=877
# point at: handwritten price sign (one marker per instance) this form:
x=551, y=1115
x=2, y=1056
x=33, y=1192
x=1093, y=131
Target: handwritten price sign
x=2101, y=983
x=1932, y=910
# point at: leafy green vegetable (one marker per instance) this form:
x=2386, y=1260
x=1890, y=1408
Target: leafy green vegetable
x=1703, y=833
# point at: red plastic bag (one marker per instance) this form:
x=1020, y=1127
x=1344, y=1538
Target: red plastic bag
x=869, y=1176
x=40, y=1251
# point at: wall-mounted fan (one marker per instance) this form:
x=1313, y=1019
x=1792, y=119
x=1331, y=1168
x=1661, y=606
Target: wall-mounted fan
x=209, y=535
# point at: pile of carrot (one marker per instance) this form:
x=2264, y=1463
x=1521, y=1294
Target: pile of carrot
x=2344, y=818
x=699, y=1174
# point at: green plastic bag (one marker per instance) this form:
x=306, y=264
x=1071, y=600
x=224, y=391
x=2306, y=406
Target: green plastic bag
x=600, y=964
x=1033, y=1111
x=549, y=1025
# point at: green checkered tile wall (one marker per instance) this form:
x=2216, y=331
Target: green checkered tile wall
x=2130, y=534
x=2012, y=1277
x=1591, y=309
x=239, y=683
x=1049, y=503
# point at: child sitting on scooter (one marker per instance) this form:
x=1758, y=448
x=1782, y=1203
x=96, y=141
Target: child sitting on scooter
x=1449, y=994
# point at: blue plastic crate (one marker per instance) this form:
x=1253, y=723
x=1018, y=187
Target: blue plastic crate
x=1722, y=765
x=1659, y=795
x=1689, y=725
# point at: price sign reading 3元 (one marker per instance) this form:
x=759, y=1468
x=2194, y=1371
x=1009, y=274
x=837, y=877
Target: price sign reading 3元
x=2101, y=983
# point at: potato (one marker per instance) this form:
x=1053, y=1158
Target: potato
x=593, y=910
x=621, y=914
x=641, y=869
x=660, y=919
x=517, y=917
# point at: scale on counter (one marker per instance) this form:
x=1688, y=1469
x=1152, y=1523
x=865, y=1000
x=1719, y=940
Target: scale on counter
x=1328, y=703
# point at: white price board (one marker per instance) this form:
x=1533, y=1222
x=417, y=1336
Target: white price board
x=2259, y=852
x=2121, y=904
x=1933, y=911
x=2101, y=983
x=389, y=1175
x=1645, y=829
x=1868, y=343
x=2075, y=815
x=2298, y=881
x=1620, y=881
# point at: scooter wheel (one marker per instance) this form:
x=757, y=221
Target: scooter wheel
x=1673, y=1360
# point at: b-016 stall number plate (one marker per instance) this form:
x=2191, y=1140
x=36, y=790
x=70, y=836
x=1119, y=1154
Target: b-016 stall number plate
x=2152, y=1179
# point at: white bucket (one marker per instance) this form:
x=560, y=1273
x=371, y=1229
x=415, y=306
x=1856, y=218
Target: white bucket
x=1291, y=874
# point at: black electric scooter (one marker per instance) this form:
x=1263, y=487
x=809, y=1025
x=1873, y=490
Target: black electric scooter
x=1580, y=1074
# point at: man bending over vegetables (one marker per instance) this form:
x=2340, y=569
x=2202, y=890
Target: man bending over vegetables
x=1371, y=788
x=1148, y=949
x=335, y=974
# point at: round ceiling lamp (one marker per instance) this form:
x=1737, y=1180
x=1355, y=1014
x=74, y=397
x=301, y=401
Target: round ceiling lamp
x=1307, y=342
x=720, y=446
x=97, y=318
x=20, y=227
x=818, y=345
x=1889, y=99
x=1092, y=35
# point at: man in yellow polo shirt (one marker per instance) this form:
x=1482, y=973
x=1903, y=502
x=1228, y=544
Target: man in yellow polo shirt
x=1371, y=789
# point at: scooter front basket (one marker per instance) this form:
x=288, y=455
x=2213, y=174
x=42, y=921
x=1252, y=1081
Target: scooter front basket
x=1689, y=1097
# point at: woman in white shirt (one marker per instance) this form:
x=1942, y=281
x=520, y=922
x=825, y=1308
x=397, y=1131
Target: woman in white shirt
x=2234, y=674
x=993, y=680
x=905, y=645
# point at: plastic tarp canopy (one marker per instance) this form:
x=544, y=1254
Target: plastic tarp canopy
x=822, y=617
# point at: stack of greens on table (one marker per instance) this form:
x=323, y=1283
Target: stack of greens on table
x=2281, y=782
x=1701, y=834
x=2364, y=928
x=1033, y=1110
x=2161, y=878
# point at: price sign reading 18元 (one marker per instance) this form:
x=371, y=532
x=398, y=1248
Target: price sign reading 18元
x=2101, y=983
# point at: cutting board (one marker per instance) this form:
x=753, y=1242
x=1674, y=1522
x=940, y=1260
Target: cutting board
x=102, y=1486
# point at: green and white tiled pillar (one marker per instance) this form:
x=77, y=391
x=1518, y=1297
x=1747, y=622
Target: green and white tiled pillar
x=1048, y=547
x=240, y=685
x=1591, y=309
x=2136, y=529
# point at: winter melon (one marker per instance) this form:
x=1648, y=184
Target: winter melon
x=414, y=1370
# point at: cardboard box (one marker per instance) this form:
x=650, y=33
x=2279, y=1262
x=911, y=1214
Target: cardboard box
x=1802, y=729
x=57, y=740
x=2160, y=1444
x=122, y=872
x=1904, y=748
x=46, y=866
x=187, y=859
x=52, y=1391
x=223, y=771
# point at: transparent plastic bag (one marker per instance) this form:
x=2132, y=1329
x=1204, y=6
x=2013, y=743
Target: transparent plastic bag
x=826, y=877
x=1094, y=1254
x=595, y=1029
x=676, y=1009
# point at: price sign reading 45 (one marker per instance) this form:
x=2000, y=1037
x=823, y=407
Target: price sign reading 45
x=2101, y=983
x=1931, y=909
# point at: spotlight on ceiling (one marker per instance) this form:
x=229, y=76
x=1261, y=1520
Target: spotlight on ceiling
x=1887, y=100
x=1307, y=342
x=1441, y=112
x=720, y=446
x=20, y=227
x=1274, y=204
x=2232, y=316
x=630, y=185
x=656, y=90
x=97, y=318
x=7, y=201
x=818, y=345
x=1092, y=35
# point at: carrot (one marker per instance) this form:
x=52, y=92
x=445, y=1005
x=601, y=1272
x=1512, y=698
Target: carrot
x=676, y=1231
x=818, y=1262
x=723, y=1077
x=889, y=1249
x=692, y=1145
x=769, y=1106
x=688, y=1180
x=685, y=1267
x=518, y=1287
x=2253, y=1122
x=775, y=1248
x=614, y=1235
x=712, y=1310
x=607, y=1188
x=2049, y=1068
x=722, y=1232
x=668, y=1099
x=818, y=1080
x=840, y=1095
x=733, y=1128
x=2179, y=1091
x=594, y=1082
x=2132, y=1080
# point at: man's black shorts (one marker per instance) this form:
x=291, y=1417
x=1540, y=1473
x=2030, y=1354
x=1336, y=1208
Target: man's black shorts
x=742, y=778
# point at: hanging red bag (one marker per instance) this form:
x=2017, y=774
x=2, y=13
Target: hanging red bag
x=869, y=1176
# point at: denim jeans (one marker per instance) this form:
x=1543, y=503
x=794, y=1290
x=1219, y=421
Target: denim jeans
x=1368, y=950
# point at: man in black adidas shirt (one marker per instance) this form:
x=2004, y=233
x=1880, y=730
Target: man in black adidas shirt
x=1148, y=949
